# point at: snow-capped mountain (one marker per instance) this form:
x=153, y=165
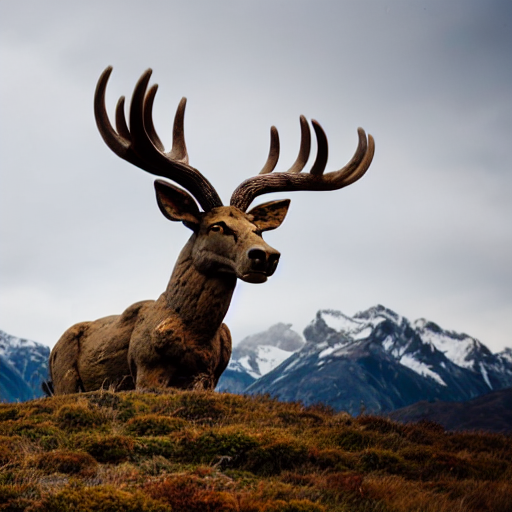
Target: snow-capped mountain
x=23, y=368
x=257, y=355
x=380, y=361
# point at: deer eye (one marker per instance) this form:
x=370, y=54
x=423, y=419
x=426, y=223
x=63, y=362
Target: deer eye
x=216, y=228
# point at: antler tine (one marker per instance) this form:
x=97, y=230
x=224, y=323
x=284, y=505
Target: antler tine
x=121, y=126
x=305, y=147
x=273, y=154
x=358, y=164
x=148, y=118
x=140, y=139
x=179, y=148
x=119, y=143
x=314, y=180
x=322, y=150
x=140, y=145
x=114, y=141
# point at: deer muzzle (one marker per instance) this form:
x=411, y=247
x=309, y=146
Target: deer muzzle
x=262, y=263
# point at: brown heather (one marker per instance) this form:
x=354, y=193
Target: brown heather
x=204, y=451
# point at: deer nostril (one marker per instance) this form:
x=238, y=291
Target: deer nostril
x=257, y=255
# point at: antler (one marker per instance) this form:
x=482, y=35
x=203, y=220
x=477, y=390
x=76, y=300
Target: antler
x=292, y=180
x=140, y=145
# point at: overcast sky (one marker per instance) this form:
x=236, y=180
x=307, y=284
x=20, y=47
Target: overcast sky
x=427, y=232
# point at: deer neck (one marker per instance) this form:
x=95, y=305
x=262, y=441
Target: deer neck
x=201, y=301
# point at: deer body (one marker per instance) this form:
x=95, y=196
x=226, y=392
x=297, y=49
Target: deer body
x=180, y=339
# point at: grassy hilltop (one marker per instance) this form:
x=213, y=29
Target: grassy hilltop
x=204, y=451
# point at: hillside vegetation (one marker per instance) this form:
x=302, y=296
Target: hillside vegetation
x=204, y=451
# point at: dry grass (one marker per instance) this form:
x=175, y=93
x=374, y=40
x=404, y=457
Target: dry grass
x=202, y=451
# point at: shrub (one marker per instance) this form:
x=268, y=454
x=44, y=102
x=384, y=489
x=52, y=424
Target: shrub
x=276, y=457
x=417, y=453
x=342, y=482
x=200, y=406
x=156, y=465
x=332, y=458
x=423, y=432
x=321, y=409
x=353, y=440
x=31, y=431
x=393, y=493
x=40, y=409
x=78, y=416
x=8, y=413
x=186, y=493
x=380, y=424
x=293, y=506
x=157, y=446
x=462, y=468
x=107, y=448
x=305, y=418
x=6, y=455
x=154, y=425
x=51, y=442
x=66, y=462
x=478, y=496
x=374, y=460
x=9, y=448
x=478, y=442
x=15, y=498
x=101, y=498
x=229, y=446
x=104, y=399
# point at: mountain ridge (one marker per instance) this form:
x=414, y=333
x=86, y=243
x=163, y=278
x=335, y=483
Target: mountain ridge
x=379, y=361
x=491, y=412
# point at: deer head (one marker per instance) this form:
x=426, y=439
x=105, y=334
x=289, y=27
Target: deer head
x=226, y=239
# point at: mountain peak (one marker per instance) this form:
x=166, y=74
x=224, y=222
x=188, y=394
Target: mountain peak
x=280, y=335
x=379, y=311
x=460, y=348
x=506, y=354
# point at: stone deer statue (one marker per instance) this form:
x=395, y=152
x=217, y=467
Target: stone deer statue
x=179, y=340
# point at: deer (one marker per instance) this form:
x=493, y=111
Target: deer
x=179, y=340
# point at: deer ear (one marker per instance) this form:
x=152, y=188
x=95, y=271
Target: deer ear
x=269, y=215
x=176, y=204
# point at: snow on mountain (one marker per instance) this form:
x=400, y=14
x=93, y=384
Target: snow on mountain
x=420, y=368
x=456, y=347
x=506, y=355
x=265, y=358
x=23, y=368
x=465, y=351
x=262, y=352
x=259, y=354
